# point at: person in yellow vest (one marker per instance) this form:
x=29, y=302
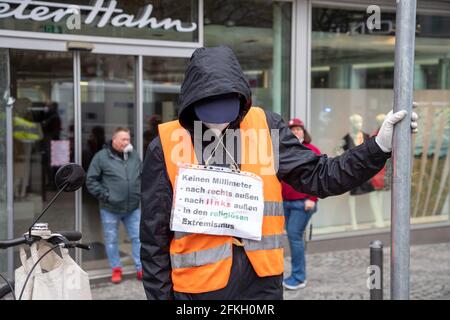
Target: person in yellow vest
x=25, y=133
x=215, y=96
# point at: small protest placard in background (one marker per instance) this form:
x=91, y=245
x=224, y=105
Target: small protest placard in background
x=60, y=152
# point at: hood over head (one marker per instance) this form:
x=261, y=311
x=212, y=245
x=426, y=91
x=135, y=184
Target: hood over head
x=212, y=72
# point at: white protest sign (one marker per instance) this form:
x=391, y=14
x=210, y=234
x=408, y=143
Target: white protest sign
x=60, y=152
x=218, y=201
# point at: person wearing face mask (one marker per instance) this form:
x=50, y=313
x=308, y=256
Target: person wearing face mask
x=215, y=96
x=298, y=210
x=114, y=179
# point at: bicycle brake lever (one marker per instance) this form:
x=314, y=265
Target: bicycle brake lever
x=77, y=245
x=83, y=246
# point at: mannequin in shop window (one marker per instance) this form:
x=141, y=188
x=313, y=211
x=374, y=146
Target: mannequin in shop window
x=354, y=138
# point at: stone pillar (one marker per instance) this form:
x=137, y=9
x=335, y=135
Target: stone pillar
x=444, y=73
x=420, y=81
x=340, y=76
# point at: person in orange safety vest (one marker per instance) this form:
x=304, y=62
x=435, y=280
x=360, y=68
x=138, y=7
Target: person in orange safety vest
x=215, y=96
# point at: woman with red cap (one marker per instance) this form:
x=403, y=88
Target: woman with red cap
x=298, y=210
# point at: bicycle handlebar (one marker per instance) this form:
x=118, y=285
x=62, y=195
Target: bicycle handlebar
x=69, y=235
x=66, y=238
x=12, y=243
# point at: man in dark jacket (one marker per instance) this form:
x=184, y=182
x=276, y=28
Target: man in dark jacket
x=212, y=73
x=114, y=178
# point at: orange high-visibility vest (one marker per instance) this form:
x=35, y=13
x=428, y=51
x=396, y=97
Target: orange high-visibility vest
x=201, y=262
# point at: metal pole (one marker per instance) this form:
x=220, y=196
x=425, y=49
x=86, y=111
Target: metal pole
x=401, y=151
x=10, y=182
x=376, y=265
x=139, y=105
x=77, y=145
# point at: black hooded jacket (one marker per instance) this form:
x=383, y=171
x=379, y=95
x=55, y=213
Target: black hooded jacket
x=215, y=71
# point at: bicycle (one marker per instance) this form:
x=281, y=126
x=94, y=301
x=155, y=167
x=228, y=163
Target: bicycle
x=68, y=178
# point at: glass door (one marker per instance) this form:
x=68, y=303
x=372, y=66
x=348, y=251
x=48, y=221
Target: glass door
x=43, y=84
x=43, y=126
x=162, y=79
x=107, y=89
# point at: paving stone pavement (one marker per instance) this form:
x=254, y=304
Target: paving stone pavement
x=339, y=275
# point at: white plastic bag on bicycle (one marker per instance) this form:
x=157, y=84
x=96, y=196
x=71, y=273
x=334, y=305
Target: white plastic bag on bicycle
x=54, y=277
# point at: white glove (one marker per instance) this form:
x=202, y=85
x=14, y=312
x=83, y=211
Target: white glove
x=384, y=137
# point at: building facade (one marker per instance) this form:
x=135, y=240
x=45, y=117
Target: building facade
x=79, y=69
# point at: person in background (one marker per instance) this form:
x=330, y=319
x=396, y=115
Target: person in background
x=95, y=143
x=114, y=178
x=152, y=130
x=26, y=134
x=298, y=210
x=51, y=128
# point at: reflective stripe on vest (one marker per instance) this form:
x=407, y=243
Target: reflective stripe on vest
x=202, y=257
x=201, y=262
x=267, y=242
x=25, y=130
x=272, y=208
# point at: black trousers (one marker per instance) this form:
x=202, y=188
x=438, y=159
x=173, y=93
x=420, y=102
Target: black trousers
x=243, y=284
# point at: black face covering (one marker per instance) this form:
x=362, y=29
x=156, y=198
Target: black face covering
x=218, y=109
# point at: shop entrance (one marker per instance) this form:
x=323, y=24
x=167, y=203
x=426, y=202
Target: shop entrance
x=43, y=124
x=68, y=105
x=121, y=91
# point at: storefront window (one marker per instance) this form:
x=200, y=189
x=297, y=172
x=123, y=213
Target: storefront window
x=352, y=89
x=259, y=32
x=170, y=20
x=162, y=83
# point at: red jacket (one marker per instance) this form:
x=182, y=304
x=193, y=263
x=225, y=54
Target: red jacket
x=290, y=193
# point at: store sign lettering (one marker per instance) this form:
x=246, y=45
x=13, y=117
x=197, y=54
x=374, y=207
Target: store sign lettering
x=383, y=27
x=109, y=13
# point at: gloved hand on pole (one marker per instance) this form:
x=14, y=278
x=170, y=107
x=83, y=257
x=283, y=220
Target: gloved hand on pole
x=384, y=137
